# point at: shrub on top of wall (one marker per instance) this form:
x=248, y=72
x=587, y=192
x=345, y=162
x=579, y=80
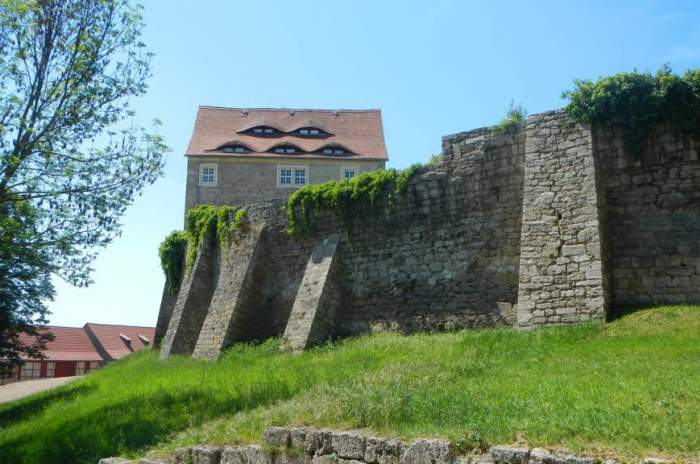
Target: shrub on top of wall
x=172, y=254
x=639, y=102
x=348, y=198
x=516, y=115
x=182, y=246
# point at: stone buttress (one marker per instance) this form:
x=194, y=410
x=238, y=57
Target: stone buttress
x=314, y=313
x=561, y=252
x=192, y=301
x=237, y=305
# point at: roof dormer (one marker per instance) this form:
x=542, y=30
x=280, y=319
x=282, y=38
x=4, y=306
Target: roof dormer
x=286, y=149
x=234, y=148
x=263, y=131
x=310, y=132
x=334, y=150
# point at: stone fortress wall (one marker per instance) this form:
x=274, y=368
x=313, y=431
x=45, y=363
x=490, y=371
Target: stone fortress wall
x=552, y=223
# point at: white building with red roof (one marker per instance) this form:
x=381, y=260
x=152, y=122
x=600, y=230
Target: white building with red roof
x=78, y=350
x=238, y=155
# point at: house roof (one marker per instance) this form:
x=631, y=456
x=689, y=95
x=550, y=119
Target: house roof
x=69, y=344
x=94, y=342
x=120, y=340
x=358, y=131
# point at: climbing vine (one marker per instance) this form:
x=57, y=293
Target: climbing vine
x=638, y=102
x=172, y=255
x=347, y=198
x=182, y=246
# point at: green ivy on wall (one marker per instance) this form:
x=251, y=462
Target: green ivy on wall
x=172, y=255
x=181, y=246
x=348, y=198
x=638, y=102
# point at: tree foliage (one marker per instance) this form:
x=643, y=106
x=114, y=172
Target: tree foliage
x=71, y=156
x=638, y=102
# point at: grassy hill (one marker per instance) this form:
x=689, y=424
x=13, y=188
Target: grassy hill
x=631, y=387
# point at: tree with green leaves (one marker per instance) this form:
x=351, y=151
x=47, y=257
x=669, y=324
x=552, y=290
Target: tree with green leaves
x=72, y=157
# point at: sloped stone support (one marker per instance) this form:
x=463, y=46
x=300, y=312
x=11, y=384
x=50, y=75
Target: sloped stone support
x=237, y=305
x=192, y=302
x=315, y=307
x=167, y=304
x=562, y=260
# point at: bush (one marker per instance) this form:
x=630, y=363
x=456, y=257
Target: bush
x=172, y=255
x=515, y=116
x=638, y=102
x=199, y=221
x=347, y=198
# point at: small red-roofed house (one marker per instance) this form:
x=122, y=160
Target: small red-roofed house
x=78, y=350
x=116, y=341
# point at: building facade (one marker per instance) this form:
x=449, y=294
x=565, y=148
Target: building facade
x=79, y=350
x=238, y=156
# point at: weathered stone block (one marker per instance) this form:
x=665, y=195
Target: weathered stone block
x=318, y=442
x=182, y=455
x=427, y=452
x=542, y=456
x=252, y=454
x=382, y=451
x=297, y=438
x=348, y=445
x=206, y=455
x=291, y=456
x=277, y=436
x=115, y=460
x=509, y=454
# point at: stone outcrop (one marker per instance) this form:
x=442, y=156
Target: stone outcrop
x=306, y=445
x=550, y=223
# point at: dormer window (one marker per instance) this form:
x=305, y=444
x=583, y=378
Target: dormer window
x=286, y=150
x=235, y=149
x=264, y=131
x=310, y=132
x=335, y=151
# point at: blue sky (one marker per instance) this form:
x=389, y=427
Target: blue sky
x=433, y=67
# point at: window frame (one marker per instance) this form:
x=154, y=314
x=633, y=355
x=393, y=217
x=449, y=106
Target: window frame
x=353, y=169
x=31, y=370
x=293, y=169
x=204, y=166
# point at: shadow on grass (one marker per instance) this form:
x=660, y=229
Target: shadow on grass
x=25, y=408
x=619, y=312
x=128, y=426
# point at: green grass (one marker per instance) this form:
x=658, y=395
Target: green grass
x=631, y=387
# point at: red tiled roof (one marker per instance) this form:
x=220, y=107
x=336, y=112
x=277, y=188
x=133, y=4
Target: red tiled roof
x=359, y=131
x=109, y=338
x=69, y=344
